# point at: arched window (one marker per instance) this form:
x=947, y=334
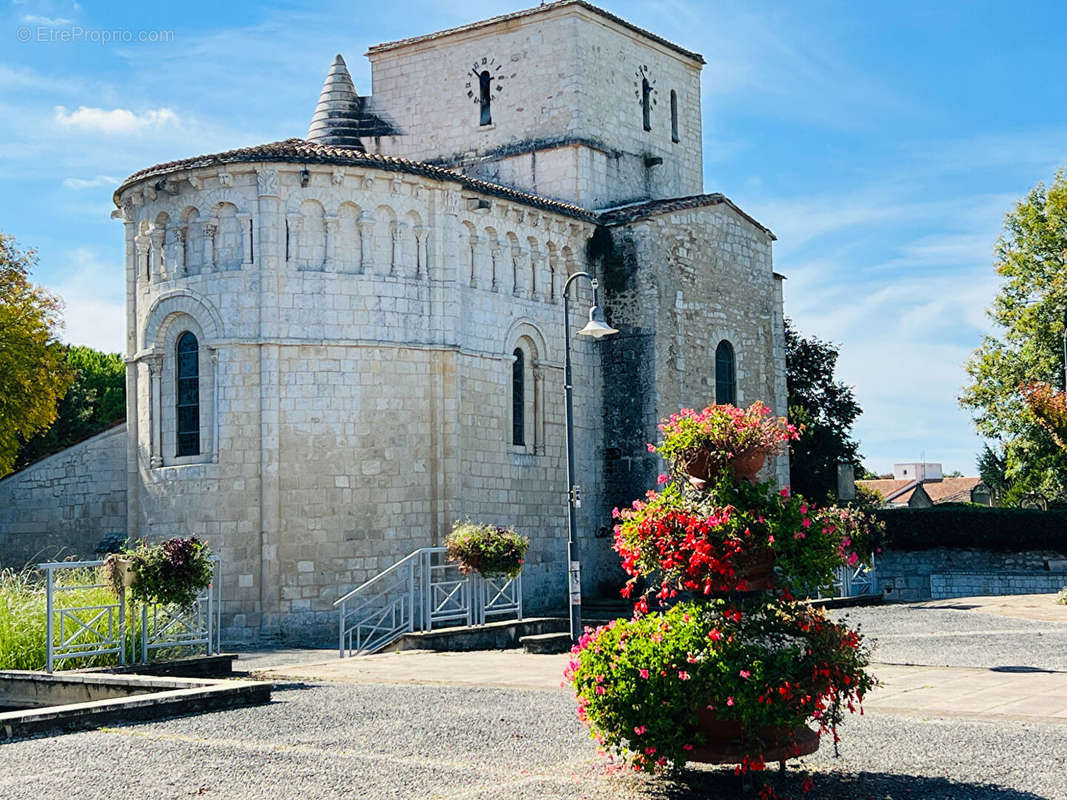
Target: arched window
x=485, y=81
x=187, y=380
x=674, y=116
x=725, y=374
x=518, y=399
x=646, y=103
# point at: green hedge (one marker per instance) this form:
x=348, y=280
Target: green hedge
x=979, y=527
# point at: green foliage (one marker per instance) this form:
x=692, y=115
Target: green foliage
x=679, y=540
x=487, y=549
x=23, y=624
x=95, y=400
x=33, y=372
x=824, y=410
x=642, y=683
x=172, y=573
x=1061, y=598
x=723, y=431
x=974, y=526
x=1029, y=313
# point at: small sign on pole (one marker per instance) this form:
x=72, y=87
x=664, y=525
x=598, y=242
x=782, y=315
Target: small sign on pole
x=576, y=583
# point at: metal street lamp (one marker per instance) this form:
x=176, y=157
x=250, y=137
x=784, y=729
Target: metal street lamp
x=597, y=328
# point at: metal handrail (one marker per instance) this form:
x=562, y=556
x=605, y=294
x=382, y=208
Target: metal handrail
x=419, y=599
x=380, y=575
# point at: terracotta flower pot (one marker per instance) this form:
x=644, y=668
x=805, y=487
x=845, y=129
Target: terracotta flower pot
x=723, y=741
x=702, y=467
x=756, y=569
x=746, y=466
x=124, y=569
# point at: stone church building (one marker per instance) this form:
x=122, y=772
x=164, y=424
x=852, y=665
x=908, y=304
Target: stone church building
x=339, y=345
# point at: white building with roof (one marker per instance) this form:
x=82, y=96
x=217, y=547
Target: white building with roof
x=339, y=345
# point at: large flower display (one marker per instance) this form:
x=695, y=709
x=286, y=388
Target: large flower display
x=731, y=667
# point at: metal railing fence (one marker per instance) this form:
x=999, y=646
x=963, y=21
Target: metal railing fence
x=421, y=592
x=112, y=629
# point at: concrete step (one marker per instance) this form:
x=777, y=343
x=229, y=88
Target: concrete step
x=547, y=643
x=499, y=635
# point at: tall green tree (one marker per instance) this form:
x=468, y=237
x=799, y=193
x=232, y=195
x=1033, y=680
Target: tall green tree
x=33, y=371
x=96, y=399
x=1029, y=313
x=826, y=408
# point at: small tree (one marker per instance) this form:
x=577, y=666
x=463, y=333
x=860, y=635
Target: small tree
x=825, y=408
x=95, y=400
x=33, y=372
x=1030, y=311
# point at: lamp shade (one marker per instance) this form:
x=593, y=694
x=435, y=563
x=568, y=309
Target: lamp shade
x=597, y=327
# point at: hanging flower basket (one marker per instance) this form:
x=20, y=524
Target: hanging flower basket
x=486, y=549
x=172, y=573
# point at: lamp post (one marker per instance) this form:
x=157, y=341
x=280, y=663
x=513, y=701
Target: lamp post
x=597, y=328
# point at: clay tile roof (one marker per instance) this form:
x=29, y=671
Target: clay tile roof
x=888, y=487
x=951, y=490
x=301, y=151
x=946, y=490
x=632, y=212
x=529, y=12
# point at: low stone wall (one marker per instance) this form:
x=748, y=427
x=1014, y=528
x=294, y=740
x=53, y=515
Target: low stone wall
x=942, y=573
x=64, y=504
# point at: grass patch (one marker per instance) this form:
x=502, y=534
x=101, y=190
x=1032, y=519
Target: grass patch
x=23, y=623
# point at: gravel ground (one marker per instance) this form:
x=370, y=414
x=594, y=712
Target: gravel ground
x=375, y=741
x=912, y=634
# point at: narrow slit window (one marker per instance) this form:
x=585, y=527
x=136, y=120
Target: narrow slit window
x=485, y=84
x=674, y=116
x=725, y=374
x=187, y=375
x=518, y=399
x=646, y=103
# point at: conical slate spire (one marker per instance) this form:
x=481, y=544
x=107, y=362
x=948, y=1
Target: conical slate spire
x=338, y=117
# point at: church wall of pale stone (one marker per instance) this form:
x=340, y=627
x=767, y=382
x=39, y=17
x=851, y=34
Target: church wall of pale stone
x=355, y=366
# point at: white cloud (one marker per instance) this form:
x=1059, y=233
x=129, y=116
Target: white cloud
x=54, y=22
x=116, y=120
x=94, y=308
x=90, y=183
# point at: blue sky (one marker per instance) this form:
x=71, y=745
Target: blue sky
x=882, y=142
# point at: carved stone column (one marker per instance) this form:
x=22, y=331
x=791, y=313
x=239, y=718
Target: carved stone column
x=537, y=291
x=396, y=236
x=155, y=410
x=366, y=242
x=213, y=357
x=155, y=259
x=517, y=284
x=474, y=241
x=333, y=228
x=180, y=236
x=247, y=256
x=496, y=255
x=422, y=261
x=539, y=410
x=211, y=227
x=143, y=246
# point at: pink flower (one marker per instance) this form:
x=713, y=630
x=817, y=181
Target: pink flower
x=803, y=508
x=715, y=635
x=651, y=447
x=683, y=675
x=770, y=540
x=852, y=559
x=798, y=536
x=745, y=673
x=640, y=730
x=687, y=747
x=806, y=522
x=729, y=701
x=643, y=673
x=600, y=690
x=662, y=479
